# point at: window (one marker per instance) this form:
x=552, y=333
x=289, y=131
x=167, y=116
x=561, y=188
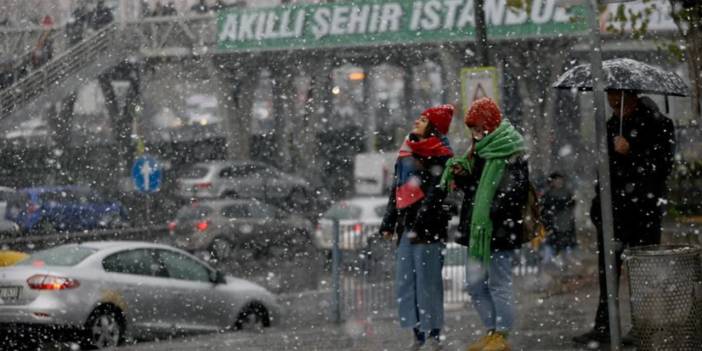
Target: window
x=63, y=256
x=245, y=170
x=194, y=213
x=194, y=172
x=236, y=211
x=139, y=262
x=183, y=267
x=259, y=210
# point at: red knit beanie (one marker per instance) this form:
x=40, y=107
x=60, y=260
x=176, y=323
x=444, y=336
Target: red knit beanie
x=485, y=113
x=440, y=117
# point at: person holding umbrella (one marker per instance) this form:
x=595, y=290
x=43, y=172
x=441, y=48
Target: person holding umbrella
x=641, y=143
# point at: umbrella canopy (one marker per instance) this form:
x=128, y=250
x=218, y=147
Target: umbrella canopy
x=625, y=74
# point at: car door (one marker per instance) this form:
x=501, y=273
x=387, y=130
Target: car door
x=200, y=304
x=142, y=282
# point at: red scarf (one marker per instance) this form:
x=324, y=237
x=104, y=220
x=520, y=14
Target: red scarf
x=408, y=188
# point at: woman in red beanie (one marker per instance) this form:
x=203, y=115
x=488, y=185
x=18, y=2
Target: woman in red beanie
x=494, y=178
x=415, y=212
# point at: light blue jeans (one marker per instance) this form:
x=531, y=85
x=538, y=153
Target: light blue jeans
x=491, y=290
x=419, y=286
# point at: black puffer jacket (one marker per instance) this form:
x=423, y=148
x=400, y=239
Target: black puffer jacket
x=507, y=206
x=428, y=217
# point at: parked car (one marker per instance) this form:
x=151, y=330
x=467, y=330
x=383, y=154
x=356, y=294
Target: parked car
x=63, y=208
x=99, y=293
x=359, y=218
x=248, y=227
x=243, y=179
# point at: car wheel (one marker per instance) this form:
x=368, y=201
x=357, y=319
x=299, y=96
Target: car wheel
x=221, y=249
x=254, y=317
x=105, y=329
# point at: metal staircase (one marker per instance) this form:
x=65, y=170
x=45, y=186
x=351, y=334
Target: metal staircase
x=69, y=70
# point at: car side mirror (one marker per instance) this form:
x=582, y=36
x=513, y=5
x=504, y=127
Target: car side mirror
x=219, y=278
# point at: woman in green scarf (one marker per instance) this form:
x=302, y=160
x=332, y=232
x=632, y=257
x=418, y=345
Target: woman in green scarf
x=494, y=178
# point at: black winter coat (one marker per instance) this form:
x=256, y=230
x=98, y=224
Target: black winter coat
x=638, y=179
x=507, y=206
x=429, y=217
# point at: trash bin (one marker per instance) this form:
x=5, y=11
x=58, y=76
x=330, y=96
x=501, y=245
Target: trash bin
x=666, y=296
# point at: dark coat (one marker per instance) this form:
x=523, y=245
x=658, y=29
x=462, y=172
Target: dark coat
x=429, y=217
x=507, y=206
x=638, y=179
x=559, y=217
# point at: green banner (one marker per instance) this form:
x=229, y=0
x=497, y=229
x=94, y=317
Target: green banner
x=383, y=22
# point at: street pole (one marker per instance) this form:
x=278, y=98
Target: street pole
x=481, y=43
x=603, y=175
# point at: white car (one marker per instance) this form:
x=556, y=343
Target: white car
x=96, y=293
x=359, y=218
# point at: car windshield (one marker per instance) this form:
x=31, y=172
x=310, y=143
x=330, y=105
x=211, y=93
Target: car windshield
x=193, y=213
x=64, y=256
x=343, y=210
x=194, y=172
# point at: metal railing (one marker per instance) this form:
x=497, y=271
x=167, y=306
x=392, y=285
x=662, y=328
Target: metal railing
x=104, y=42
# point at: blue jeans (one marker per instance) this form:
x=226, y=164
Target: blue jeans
x=490, y=289
x=419, y=285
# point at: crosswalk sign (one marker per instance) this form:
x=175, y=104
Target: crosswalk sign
x=478, y=82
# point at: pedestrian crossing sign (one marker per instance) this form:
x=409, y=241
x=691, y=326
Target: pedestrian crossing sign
x=478, y=82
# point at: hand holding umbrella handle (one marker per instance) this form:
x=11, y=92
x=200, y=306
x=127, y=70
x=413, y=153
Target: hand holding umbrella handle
x=621, y=145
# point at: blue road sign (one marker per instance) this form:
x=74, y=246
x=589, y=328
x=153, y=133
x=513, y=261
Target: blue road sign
x=146, y=174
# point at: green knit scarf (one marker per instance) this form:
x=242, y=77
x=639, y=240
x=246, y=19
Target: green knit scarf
x=495, y=148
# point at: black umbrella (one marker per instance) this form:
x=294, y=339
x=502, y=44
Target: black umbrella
x=625, y=74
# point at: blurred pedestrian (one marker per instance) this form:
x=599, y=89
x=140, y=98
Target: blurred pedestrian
x=170, y=9
x=558, y=216
x=494, y=178
x=76, y=24
x=44, y=49
x=102, y=15
x=417, y=215
x=200, y=7
x=641, y=144
x=158, y=10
